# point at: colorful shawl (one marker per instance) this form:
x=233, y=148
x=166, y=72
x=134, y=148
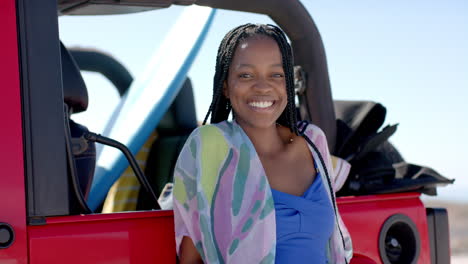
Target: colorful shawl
x=223, y=202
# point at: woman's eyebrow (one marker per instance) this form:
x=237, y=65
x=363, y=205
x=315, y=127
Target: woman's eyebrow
x=242, y=65
x=252, y=66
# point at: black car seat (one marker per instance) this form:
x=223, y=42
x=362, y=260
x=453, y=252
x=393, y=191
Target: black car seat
x=173, y=130
x=76, y=98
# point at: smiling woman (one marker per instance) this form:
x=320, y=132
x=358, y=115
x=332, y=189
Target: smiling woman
x=257, y=188
x=256, y=86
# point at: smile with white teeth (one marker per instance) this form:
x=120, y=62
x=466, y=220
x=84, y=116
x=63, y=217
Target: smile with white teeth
x=261, y=104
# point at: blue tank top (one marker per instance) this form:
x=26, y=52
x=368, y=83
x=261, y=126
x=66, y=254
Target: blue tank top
x=304, y=224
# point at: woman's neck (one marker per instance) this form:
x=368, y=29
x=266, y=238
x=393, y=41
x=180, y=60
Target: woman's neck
x=267, y=140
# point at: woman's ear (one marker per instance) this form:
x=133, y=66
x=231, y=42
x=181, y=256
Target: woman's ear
x=225, y=89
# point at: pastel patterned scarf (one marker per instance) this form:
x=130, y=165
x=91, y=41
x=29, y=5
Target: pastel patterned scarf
x=223, y=202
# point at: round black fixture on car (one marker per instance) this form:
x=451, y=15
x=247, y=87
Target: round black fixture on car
x=399, y=240
x=7, y=235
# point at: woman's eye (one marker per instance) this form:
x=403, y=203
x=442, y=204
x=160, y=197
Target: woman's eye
x=245, y=75
x=278, y=75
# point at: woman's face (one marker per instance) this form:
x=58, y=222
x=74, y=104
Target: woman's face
x=256, y=83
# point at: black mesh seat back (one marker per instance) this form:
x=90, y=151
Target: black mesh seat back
x=76, y=97
x=75, y=94
x=180, y=118
x=84, y=153
x=173, y=130
x=163, y=156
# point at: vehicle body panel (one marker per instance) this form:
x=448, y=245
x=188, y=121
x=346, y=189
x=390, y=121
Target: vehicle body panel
x=365, y=215
x=12, y=199
x=145, y=237
x=134, y=237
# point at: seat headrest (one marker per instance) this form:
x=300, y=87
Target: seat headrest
x=75, y=93
x=180, y=118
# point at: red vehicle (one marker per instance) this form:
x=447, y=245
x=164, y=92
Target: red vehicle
x=44, y=211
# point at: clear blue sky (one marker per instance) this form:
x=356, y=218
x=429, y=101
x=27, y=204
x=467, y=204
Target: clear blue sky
x=411, y=56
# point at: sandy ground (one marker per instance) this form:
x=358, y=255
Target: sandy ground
x=460, y=259
x=458, y=225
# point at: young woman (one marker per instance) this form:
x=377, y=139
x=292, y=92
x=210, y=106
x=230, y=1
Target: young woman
x=258, y=189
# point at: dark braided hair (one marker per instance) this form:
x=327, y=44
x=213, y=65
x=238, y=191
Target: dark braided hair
x=220, y=106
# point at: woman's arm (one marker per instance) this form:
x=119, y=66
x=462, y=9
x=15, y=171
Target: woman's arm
x=188, y=252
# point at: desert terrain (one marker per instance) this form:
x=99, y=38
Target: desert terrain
x=458, y=225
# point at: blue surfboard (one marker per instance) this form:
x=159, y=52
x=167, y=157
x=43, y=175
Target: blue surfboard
x=150, y=96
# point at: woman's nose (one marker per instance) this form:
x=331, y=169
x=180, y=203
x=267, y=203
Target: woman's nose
x=262, y=84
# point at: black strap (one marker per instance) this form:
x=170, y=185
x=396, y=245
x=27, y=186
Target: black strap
x=302, y=126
